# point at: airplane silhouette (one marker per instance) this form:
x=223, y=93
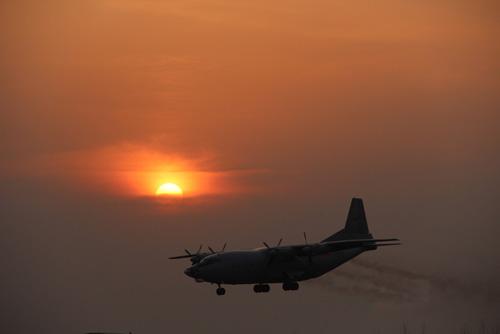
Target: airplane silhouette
x=285, y=264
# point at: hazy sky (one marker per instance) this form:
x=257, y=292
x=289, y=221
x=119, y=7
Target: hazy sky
x=270, y=115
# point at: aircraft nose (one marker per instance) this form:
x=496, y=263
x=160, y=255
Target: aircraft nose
x=190, y=272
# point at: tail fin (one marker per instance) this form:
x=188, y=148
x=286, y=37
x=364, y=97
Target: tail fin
x=356, y=226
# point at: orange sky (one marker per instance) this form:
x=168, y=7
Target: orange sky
x=271, y=115
x=258, y=85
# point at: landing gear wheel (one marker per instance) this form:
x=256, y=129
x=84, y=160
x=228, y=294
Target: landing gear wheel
x=220, y=291
x=290, y=286
x=261, y=288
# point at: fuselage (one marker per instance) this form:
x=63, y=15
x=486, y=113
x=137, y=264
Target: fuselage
x=256, y=266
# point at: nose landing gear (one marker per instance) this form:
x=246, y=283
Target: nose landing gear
x=220, y=291
x=258, y=288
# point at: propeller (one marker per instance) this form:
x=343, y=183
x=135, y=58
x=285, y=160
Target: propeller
x=221, y=250
x=199, y=255
x=272, y=250
x=269, y=247
x=307, y=249
x=195, y=257
x=197, y=252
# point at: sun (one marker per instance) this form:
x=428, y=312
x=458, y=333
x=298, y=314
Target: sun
x=169, y=189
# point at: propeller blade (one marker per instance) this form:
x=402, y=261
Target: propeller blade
x=309, y=255
x=195, y=257
x=211, y=250
x=180, y=257
x=223, y=247
x=273, y=252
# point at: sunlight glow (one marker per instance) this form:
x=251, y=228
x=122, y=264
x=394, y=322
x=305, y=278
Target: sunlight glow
x=170, y=189
x=144, y=172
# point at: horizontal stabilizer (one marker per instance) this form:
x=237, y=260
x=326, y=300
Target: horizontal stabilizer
x=358, y=240
x=355, y=243
x=331, y=246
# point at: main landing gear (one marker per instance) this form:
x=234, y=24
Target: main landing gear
x=220, y=291
x=258, y=288
x=263, y=288
x=290, y=286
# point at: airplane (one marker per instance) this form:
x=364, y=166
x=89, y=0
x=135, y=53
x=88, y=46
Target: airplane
x=286, y=264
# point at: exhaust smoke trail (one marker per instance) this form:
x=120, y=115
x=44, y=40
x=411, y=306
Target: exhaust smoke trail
x=389, y=283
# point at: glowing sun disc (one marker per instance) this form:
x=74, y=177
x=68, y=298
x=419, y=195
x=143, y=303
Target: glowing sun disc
x=170, y=189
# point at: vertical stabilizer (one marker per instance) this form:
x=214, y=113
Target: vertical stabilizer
x=356, y=218
x=356, y=226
